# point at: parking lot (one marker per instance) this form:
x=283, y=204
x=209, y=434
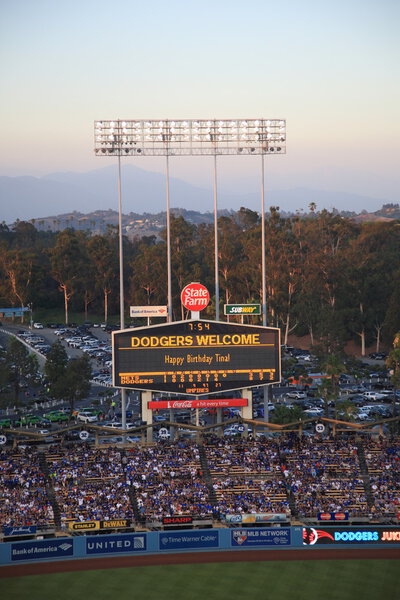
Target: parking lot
x=370, y=396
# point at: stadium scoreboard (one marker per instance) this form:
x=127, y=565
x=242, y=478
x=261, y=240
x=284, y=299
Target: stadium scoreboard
x=196, y=357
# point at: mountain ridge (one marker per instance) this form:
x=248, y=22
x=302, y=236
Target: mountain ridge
x=26, y=197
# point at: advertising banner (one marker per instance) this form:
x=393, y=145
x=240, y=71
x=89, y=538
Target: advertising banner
x=256, y=518
x=190, y=540
x=178, y=520
x=260, y=537
x=41, y=549
x=91, y=525
x=334, y=516
x=84, y=525
x=110, y=544
x=22, y=530
x=183, y=404
x=351, y=535
x=242, y=309
x=148, y=311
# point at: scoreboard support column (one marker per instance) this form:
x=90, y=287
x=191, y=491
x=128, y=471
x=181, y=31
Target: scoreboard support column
x=147, y=413
x=219, y=420
x=247, y=411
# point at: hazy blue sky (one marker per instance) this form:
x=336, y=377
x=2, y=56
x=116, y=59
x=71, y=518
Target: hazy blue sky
x=330, y=68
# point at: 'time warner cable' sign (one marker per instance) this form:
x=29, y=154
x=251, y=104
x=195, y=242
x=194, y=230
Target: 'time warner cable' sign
x=195, y=297
x=219, y=403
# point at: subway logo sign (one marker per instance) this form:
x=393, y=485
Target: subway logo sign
x=242, y=309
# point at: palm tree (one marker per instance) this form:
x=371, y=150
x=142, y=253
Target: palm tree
x=393, y=363
x=333, y=366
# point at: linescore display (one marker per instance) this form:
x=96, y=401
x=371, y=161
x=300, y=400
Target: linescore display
x=196, y=357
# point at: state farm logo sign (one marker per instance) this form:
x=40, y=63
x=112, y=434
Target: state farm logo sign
x=195, y=297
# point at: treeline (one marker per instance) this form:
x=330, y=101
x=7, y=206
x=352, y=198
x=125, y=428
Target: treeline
x=326, y=276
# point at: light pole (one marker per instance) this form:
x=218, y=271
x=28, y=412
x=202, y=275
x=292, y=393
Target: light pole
x=194, y=137
x=216, y=267
x=169, y=272
x=191, y=137
x=263, y=279
x=121, y=280
x=30, y=306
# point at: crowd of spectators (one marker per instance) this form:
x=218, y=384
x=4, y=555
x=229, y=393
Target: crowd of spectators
x=324, y=476
x=247, y=476
x=168, y=480
x=23, y=493
x=383, y=463
x=90, y=484
x=219, y=476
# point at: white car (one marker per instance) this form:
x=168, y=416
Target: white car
x=86, y=416
x=296, y=394
x=118, y=425
x=373, y=396
x=314, y=412
x=38, y=326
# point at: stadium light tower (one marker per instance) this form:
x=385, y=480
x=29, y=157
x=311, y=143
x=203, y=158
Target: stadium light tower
x=194, y=137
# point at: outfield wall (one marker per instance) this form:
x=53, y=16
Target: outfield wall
x=198, y=540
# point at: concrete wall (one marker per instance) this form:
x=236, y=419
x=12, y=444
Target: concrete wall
x=198, y=540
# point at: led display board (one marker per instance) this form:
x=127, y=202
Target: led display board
x=196, y=357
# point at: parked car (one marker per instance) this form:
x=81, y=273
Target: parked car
x=377, y=355
x=313, y=412
x=87, y=416
x=373, y=395
x=117, y=425
x=38, y=325
x=26, y=420
x=296, y=394
x=56, y=416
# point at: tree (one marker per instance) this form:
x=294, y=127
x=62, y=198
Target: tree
x=68, y=379
x=66, y=263
x=333, y=366
x=284, y=415
x=392, y=318
x=18, y=266
x=147, y=284
x=55, y=368
x=102, y=251
x=247, y=218
x=393, y=363
x=346, y=409
x=76, y=380
x=19, y=363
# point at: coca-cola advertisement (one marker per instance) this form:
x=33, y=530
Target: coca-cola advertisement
x=182, y=404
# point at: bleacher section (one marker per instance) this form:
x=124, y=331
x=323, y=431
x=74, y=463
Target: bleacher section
x=298, y=477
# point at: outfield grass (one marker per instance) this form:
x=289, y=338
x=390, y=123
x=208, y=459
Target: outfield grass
x=295, y=580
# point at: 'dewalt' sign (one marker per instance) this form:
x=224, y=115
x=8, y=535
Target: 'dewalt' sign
x=196, y=357
x=91, y=525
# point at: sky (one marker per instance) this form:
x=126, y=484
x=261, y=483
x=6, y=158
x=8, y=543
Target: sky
x=331, y=69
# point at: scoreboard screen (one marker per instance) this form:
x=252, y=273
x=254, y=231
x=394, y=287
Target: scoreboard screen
x=196, y=357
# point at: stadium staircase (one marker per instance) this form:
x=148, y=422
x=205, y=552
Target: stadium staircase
x=365, y=475
x=288, y=486
x=139, y=517
x=49, y=489
x=208, y=479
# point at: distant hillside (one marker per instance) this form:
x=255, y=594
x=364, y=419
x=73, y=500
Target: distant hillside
x=147, y=224
x=27, y=198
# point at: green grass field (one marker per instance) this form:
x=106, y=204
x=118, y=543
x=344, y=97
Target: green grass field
x=296, y=580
